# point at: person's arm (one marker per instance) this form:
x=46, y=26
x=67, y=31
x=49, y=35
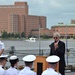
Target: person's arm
x=60, y=50
x=52, y=51
x=2, y=49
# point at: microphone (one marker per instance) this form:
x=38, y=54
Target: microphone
x=55, y=41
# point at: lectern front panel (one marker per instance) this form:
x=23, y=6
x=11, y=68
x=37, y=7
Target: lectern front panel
x=40, y=65
x=39, y=68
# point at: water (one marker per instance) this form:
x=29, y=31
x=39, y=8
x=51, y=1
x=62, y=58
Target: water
x=44, y=44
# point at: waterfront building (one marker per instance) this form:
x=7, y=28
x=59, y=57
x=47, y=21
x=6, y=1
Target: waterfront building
x=16, y=19
x=64, y=29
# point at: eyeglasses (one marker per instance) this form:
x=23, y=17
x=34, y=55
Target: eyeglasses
x=55, y=37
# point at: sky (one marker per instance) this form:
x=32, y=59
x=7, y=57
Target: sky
x=56, y=11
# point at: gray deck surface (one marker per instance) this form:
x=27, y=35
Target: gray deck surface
x=70, y=73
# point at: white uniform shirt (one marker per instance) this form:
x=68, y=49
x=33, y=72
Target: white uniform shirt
x=2, y=71
x=50, y=71
x=1, y=45
x=12, y=71
x=27, y=71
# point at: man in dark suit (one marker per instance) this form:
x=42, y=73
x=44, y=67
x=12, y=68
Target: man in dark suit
x=58, y=48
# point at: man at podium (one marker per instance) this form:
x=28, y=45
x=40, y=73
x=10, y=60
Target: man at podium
x=58, y=48
x=52, y=64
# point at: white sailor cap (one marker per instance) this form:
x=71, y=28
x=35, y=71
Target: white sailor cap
x=3, y=56
x=29, y=58
x=14, y=57
x=52, y=59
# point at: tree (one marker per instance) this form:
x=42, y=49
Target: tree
x=17, y=35
x=74, y=37
x=45, y=36
x=4, y=34
x=9, y=35
x=23, y=34
x=12, y=34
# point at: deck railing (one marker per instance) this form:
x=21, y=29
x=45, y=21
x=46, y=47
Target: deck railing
x=44, y=52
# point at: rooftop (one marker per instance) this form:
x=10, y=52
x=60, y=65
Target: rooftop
x=64, y=25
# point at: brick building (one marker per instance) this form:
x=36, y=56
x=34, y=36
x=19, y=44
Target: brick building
x=64, y=29
x=43, y=31
x=15, y=19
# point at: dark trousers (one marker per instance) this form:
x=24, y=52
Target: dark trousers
x=62, y=70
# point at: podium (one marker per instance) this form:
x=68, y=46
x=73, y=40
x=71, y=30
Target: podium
x=40, y=64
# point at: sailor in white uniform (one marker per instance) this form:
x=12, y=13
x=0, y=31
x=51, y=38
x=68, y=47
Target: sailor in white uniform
x=52, y=62
x=29, y=59
x=3, y=59
x=1, y=48
x=14, y=63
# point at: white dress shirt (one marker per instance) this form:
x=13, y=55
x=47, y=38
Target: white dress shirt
x=12, y=71
x=27, y=71
x=2, y=71
x=50, y=71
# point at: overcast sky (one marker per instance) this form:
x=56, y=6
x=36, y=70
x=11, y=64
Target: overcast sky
x=55, y=10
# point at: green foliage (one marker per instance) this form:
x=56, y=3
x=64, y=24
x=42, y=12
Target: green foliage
x=17, y=35
x=45, y=36
x=9, y=35
x=23, y=34
x=74, y=37
x=4, y=34
x=12, y=34
x=29, y=36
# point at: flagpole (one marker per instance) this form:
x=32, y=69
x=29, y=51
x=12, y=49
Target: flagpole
x=39, y=39
x=66, y=46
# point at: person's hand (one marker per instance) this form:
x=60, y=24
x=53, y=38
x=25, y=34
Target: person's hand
x=56, y=45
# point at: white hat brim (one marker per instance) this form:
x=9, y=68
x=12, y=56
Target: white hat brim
x=13, y=57
x=29, y=58
x=52, y=59
x=3, y=56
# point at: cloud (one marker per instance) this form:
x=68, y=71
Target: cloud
x=55, y=3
